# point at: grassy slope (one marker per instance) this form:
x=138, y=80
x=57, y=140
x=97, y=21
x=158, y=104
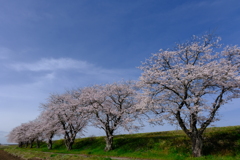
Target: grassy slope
x=219, y=143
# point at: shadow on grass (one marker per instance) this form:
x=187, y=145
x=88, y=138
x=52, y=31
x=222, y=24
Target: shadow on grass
x=222, y=142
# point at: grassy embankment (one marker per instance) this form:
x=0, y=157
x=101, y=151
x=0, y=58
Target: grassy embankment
x=219, y=143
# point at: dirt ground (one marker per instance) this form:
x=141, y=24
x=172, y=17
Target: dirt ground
x=5, y=156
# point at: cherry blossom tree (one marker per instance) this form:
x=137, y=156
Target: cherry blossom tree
x=188, y=84
x=112, y=107
x=17, y=136
x=65, y=109
x=48, y=127
x=33, y=132
x=23, y=134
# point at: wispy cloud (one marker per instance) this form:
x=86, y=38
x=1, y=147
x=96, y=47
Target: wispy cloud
x=63, y=66
x=51, y=65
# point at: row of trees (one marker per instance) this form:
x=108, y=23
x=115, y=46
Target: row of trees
x=108, y=107
x=184, y=86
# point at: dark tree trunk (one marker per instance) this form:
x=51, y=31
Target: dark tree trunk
x=20, y=144
x=69, y=136
x=26, y=144
x=49, y=144
x=109, y=143
x=109, y=139
x=68, y=144
x=31, y=143
x=37, y=143
x=197, y=145
x=69, y=140
x=194, y=134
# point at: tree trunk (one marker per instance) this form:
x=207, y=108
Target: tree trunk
x=68, y=144
x=197, y=145
x=20, y=144
x=26, y=144
x=37, y=143
x=31, y=143
x=49, y=144
x=109, y=143
x=69, y=139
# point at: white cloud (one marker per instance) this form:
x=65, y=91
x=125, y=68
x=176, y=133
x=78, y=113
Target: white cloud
x=67, y=68
x=49, y=76
x=51, y=64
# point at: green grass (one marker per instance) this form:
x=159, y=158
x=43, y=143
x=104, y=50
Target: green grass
x=28, y=154
x=219, y=143
x=2, y=147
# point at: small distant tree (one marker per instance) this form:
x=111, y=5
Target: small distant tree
x=17, y=135
x=13, y=136
x=188, y=84
x=112, y=106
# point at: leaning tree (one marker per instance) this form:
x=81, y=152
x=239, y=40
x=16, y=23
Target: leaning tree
x=188, y=84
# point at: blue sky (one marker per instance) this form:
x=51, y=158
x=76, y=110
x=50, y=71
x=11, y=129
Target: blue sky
x=50, y=46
